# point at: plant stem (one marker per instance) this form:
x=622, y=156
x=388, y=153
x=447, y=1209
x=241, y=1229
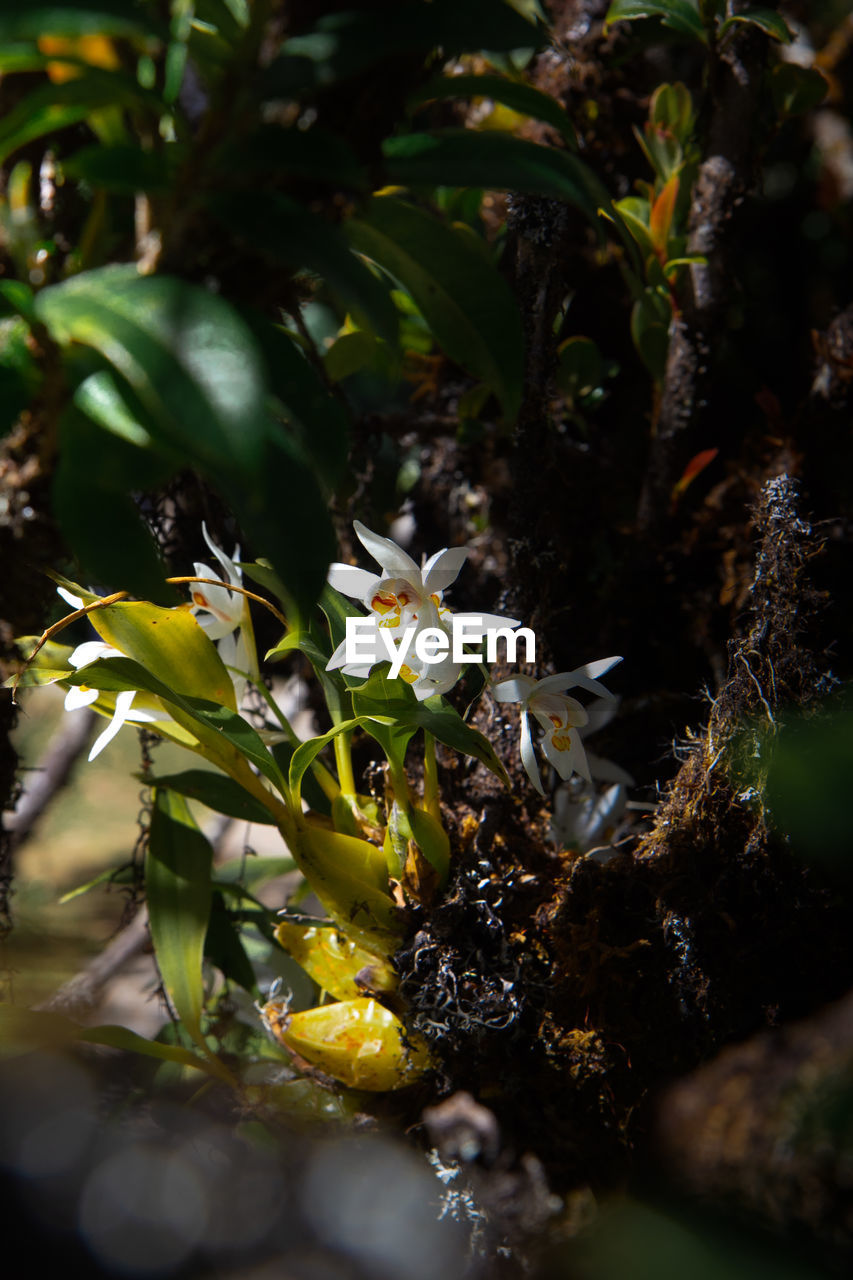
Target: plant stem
x=431, y=800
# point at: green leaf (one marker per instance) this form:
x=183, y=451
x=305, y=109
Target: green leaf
x=186, y=354
x=19, y=299
x=252, y=872
x=171, y=646
x=224, y=947
x=178, y=891
x=499, y=161
x=678, y=15
x=767, y=20
x=56, y=106
x=797, y=89
x=306, y=753
x=218, y=792
x=124, y=169
x=447, y=726
x=314, y=416
x=197, y=373
x=76, y=18
x=26, y=1029
x=466, y=302
x=521, y=97
x=281, y=228
x=238, y=732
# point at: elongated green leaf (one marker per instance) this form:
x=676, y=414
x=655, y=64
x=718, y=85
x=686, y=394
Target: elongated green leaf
x=124, y=169
x=307, y=752
x=188, y=357
x=76, y=18
x=678, y=15
x=521, y=97
x=252, y=872
x=239, y=732
x=313, y=415
x=288, y=232
x=767, y=20
x=55, y=106
x=444, y=723
x=466, y=302
x=224, y=947
x=26, y=1029
x=474, y=158
x=178, y=891
x=380, y=695
x=217, y=791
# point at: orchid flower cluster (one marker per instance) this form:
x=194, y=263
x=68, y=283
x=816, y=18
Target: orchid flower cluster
x=183, y=673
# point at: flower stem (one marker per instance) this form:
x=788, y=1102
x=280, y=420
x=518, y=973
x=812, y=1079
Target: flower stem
x=343, y=759
x=431, y=800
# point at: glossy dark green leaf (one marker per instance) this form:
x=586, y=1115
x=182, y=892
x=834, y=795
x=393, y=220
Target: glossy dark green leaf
x=797, y=89
x=76, y=18
x=55, y=106
x=124, y=169
x=678, y=15
x=17, y=298
x=521, y=97
x=466, y=302
x=186, y=354
x=307, y=752
x=178, y=890
x=482, y=158
x=218, y=792
x=238, y=732
x=273, y=151
x=223, y=946
x=315, y=417
x=104, y=529
x=767, y=20
x=288, y=232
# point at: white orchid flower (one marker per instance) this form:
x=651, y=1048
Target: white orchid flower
x=579, y=822
x=402, y=588
x=220, y=612
x=82, y=695
x=559, y=715
x=401, y=597
x=217, y=610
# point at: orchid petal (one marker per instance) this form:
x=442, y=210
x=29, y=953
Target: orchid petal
x=79, y=696
x=568, y=710
x=393, y=559
x=580, y=678
x=235, y=574
x=226, y=606
x=528, y=755
x=517, y=689
x=91, y=651
x=608, y=771
x=123, y=701
x=567, y=761
x=443, y=568
x=351, y=581
x=70, y=598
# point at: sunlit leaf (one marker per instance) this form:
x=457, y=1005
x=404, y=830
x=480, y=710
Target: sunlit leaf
x=350, y=877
